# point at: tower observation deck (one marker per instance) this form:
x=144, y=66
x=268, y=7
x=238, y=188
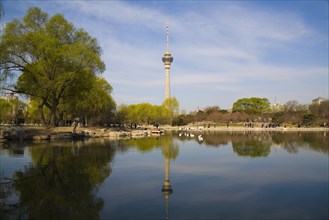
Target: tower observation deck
x=167, y=60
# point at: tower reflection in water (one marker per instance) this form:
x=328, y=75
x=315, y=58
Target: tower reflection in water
x=166, y=188
x=169, y=151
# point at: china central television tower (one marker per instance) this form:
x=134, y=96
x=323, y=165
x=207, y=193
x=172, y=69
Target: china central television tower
x=167, y=60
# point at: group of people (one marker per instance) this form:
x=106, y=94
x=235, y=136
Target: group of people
x=274, y=125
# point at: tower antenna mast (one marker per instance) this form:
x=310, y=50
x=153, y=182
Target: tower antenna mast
x=167, y=36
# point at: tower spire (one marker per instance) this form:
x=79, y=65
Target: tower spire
x=167, y=36
x=167, y=60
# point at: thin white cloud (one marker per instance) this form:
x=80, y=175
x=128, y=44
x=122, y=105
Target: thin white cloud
x=201, y=78
x=216, y=52
x=120, y=12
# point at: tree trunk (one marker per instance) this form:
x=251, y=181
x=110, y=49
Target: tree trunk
x=42, y=116
x=53, y=117
x=53, y=112
x=60, y=115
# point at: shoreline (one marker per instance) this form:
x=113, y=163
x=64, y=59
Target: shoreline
x=22, y=133
x=240, y=128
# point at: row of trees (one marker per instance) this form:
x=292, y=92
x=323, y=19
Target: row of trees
x=259, y=110
x=100, y=112
x=146, y=113
x=314, y=114
x=11, y=110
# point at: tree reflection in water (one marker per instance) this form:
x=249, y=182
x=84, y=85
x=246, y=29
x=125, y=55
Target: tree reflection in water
x=169, y=148
x=258, y=144
x=62, y=182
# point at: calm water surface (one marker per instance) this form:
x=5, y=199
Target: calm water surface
x=254, y=175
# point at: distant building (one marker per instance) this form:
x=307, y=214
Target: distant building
x=318, y=100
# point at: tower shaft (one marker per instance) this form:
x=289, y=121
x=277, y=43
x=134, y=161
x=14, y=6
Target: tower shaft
x=167, y=84
x=167, y=60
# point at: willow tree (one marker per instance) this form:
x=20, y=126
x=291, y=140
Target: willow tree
x=11, y=110
x=171, y=108
x=96, y=106
x=145, y=113
x=54, y=60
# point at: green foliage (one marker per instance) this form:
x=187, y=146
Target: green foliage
x=182, y=120
x=10, y=110
x=145, y=113
x=308, y=118
x=96, y=105
x=171, y=105
x=6, y=111
x=132, y=114
x=171, y=109
x=121, y=114
x=56, y=61
x=252, y=105
x=33, y=110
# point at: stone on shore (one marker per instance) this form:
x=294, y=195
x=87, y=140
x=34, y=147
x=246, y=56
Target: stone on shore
x=139, y=133
x=67, y=136
x=14, y=134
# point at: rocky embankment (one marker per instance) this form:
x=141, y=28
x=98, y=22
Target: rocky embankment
x=41, y=133
x=10, y=134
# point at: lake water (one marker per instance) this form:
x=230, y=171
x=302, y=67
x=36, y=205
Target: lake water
x=239, y=175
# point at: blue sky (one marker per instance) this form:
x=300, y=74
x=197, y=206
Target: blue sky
x=223, y=50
